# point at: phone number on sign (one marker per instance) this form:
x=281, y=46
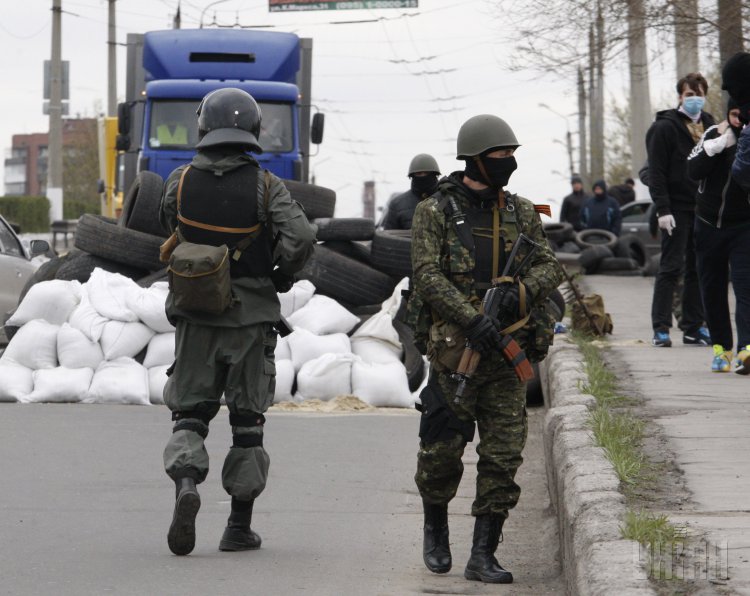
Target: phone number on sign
x=377, y=4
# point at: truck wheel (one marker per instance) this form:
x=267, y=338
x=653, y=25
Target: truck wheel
x=140, y=209
x=391, y=253
x=48, y=270
x=591, y=256
x=317, y=201
x=101, y=237
x=631, y=247
x=81, y=267
x=344, y=228
x=345, y=279
x=358, y=250
x=413, y=360
x=594, y=237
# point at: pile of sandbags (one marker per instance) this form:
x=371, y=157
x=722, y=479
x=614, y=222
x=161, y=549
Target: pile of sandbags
x=109, y=341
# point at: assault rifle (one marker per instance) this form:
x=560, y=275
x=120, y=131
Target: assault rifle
x=491, y=306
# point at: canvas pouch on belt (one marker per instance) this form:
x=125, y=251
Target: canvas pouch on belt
x=199, y=277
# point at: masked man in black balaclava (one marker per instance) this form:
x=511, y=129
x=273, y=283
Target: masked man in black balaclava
x=424, y=172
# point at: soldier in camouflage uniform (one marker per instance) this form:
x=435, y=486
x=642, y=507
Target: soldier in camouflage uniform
x=224, y=198
x=451, y=280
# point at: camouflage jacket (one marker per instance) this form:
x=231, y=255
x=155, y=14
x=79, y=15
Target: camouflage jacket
x=285, y=219
x=444, y=268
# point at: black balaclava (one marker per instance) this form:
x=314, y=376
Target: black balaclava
x=498, y=169
x=424, y=186
x=735, y=79
x=603, y=185
x=732, y=105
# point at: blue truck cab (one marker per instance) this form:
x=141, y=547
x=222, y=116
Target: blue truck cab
x=176, y=68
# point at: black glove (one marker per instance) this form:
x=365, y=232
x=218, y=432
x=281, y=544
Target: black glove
x=482, y=333
x=281, y=281
x=510, y=300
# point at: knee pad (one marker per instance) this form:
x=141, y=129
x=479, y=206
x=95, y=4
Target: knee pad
x=193, y=424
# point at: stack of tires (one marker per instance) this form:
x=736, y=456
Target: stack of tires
x=598, y=251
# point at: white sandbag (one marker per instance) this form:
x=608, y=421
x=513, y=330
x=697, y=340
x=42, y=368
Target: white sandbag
x=86, y=319
x=34, y=345
x=75, y=350
x=121, y=339
x=306, y=346
x=16, y=381
x=121, y=381
x=415, y=394
x=381, y=385
x=325, y=378
x=393, y=303
x=284, y=381
x=109, y=294
x=148, y=305
x=379, y=326
x=322, y=315
x=160, y=350
x=283, y=351
x=157, y=378
x=297, y=297
x=52, y=301
x=60, y=384
x=376, y=351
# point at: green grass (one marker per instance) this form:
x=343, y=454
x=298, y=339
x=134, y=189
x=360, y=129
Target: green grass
x=651, y=529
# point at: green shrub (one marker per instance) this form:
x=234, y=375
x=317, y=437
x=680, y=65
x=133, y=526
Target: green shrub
x=30, y=213
x=74, y=209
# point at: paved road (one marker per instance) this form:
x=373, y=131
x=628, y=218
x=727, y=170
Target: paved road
x=705, y=417
x=85, y=507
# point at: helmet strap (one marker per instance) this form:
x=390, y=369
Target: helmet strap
x=500, y=192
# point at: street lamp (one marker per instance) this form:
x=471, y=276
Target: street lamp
x=568, y=136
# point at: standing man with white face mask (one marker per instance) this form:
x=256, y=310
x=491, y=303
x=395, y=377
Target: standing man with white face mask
x=669, y=141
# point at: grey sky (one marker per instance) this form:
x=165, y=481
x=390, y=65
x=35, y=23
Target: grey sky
x=371, y=79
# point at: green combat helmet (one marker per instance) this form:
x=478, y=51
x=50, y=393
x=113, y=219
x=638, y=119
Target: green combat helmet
x=423, y=163
x=483, y=132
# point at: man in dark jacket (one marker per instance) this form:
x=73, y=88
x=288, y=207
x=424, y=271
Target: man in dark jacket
x=572, y=204
x=722, y=240
x=424, y=172
x=601, y=211
x=623, y=193
x=669, y=141
x=735, y=79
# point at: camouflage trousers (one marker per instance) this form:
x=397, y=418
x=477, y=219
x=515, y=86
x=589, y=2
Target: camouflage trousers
x=496, y=400
x=209, y=361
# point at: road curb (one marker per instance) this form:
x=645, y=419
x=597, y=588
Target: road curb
x=584, y=488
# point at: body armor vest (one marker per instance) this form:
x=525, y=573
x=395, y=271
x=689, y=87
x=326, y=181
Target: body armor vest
x=479, y=221
x=218, y=210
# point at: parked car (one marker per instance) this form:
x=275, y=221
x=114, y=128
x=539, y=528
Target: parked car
x=15, y=264
x=635, y=220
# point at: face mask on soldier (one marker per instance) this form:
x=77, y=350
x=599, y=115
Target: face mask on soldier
x=499, y=170
x=424, y=185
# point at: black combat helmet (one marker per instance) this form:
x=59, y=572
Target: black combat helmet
x=423, y=163
x=482, y=133
x=229, y=117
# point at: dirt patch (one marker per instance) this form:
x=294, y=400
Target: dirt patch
x=341, y=403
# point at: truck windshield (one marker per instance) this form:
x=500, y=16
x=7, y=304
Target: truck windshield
x=174, y=125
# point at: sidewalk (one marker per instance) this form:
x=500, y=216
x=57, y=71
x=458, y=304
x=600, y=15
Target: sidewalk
x=704, y=416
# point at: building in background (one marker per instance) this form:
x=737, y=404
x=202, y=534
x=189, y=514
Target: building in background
x=26, y=161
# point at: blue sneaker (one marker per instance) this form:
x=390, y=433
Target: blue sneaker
x=722, y=360
x=661, y=339
x=699, y=338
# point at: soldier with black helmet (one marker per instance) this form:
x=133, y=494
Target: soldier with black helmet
x=424, y=172
x=461, y=239
x=224, y=199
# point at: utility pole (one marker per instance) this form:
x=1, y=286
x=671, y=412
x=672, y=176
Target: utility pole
x=177, y=20
x=596, y=95
x=583, y=162
x=685, y=36
x=640, y=95
x=55, y=147
x=112, y=62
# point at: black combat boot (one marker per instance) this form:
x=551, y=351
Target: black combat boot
x=238, y=535
x=436, y=550
x=181, y=536
x=483, y=565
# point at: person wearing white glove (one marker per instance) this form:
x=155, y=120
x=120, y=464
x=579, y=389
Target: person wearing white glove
x=669, y=141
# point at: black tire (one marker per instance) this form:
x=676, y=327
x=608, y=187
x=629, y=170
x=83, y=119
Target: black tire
x=316, y=200
x=99, y=236
x=47, y=271
x=345, y=228
x=559, y=232
x=558, y=300
x=534, y=393
x=143, y=214
x=359, y=250
x=570, y=246
x=631, y=247
x=140, y=209
x=81, y=267
x=345, y=279
x=652, y=265
x=412, y=359
x=608, y=264
x=594, y=237
x=624, y=273
x=568, y=259
x=391, y=253
x=152, y=278
x=591, y=256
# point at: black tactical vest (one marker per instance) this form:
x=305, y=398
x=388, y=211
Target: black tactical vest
x=224, y=210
